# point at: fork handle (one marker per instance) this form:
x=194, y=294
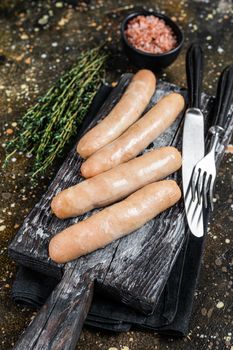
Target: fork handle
x=194, y=72
x=224, y=97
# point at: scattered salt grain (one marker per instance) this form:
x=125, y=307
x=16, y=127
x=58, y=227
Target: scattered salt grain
x=220, y=50
x=43, y=20
x=24, y=36
x=220, y=305
x=59, y=4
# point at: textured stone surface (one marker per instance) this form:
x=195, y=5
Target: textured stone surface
x=32, y=55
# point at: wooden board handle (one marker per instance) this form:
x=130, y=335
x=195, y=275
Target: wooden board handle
x=58, y=324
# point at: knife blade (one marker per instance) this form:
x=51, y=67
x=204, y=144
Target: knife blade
x=193, y=146
x=193, y=151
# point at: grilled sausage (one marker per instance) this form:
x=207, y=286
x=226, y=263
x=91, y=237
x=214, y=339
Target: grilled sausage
x=116, y=183
x=114, y=222
x=136, y=138
x=126, y=112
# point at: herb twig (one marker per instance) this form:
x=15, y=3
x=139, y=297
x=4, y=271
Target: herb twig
x=50, y=124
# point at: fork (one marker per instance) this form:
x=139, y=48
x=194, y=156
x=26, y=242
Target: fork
x=204, y=173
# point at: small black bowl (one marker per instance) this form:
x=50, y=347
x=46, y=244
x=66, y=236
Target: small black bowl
x=142, y=59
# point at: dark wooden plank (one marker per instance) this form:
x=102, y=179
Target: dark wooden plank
x=68, y=305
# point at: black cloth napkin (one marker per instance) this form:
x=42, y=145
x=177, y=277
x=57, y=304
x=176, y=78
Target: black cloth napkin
x=173, y=311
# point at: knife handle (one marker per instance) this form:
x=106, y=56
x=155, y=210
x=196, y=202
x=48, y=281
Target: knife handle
x=194, y=71
x=224, y=97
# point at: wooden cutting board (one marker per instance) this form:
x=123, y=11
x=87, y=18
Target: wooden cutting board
x=133, y=269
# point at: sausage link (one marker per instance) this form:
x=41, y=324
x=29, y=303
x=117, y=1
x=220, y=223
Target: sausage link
x=126, y=112
x=116, y=183
x=114, y=222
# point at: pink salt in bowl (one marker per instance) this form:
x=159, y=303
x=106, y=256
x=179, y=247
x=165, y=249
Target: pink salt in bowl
x=151, y=40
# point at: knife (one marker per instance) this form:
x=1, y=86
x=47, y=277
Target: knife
x=193, y=147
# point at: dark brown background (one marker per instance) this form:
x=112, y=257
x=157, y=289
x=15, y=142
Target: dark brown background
x=38, y=41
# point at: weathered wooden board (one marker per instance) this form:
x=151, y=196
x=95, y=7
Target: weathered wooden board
x=133, y=269
x=139, y=264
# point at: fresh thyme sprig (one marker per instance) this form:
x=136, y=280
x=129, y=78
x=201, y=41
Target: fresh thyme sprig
x=50, y=124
